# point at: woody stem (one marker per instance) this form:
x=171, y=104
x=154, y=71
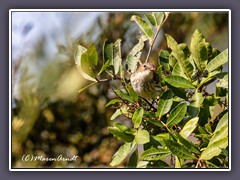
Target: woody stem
x=154, y=39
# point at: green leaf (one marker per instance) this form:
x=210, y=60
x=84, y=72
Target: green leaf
x=84, y=88
x=137, y=117
x=160, y=138
x=194, y=107
x=179, y=150
x=163, y=59
x=181, y=57
x=119, y=134
x=82, y=62
x=158, y=18
x=211, y=76
x=223, y=82
x=220, y=134
x=133, y=160
x=214, y=149
x=187, y=144
x=142, y=136
x=122, y=153
x=124, y=128
x=142, y=164
x=172, y=60
x=218, y=61
x=131, y=92
x=116, y=114
x=104, y=67
x=177, y=162
x=113, y=101
x=223, y=121
x=117, y=60
x=123, y=95
x=189, y=127
x=177, y=114
x=108, y=53
x=218, y=141
x=151, y=19
x=199, y=50
x=178, y=81
x=165, y=103
x=178, y=72
x=134, y=56
x=155, y=122
x=144, y=26
x=154, y=154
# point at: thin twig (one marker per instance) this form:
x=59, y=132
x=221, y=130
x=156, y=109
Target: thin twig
x=154, y=39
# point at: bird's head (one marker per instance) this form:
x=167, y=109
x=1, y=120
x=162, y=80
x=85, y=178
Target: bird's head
x=145, y=71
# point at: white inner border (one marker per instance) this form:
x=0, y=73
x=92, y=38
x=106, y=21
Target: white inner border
x=116, y=10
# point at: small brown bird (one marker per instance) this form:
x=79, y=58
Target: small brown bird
x=145, y=81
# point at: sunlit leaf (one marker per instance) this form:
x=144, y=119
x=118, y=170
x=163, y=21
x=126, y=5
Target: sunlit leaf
x=181, y=57
x=220, y=134
x=113, y=101
x=116, y=114
x=83, y=62
x=177, y=71
x=160, y=138
x=158, y=17
x=144, y=26
x=199, y=50
x=223, y=121
x=122, y=153
x=137, y=117
x=214, y=149
x=178, y=81
x=142, y=136
x=177, y=163
x=172, y=60
x=117, y=58
x=134, y=56
x=177, y=114
x=154, y=154
x=142, y=164
x=218, y=61
x=165, y=103
x=179, y=150
x=189, y=127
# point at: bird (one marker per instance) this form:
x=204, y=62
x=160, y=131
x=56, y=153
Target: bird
x=145, y=81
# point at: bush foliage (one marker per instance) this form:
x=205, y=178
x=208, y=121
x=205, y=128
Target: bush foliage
x=185, y=126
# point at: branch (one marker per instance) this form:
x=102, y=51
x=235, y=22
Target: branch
x=154, y=39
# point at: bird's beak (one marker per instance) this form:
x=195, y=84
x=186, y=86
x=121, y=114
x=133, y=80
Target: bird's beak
x=153, y=69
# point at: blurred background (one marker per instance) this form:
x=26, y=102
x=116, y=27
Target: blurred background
x=49, y=117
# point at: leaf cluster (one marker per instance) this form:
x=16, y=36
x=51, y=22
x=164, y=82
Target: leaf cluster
x=181, y=122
